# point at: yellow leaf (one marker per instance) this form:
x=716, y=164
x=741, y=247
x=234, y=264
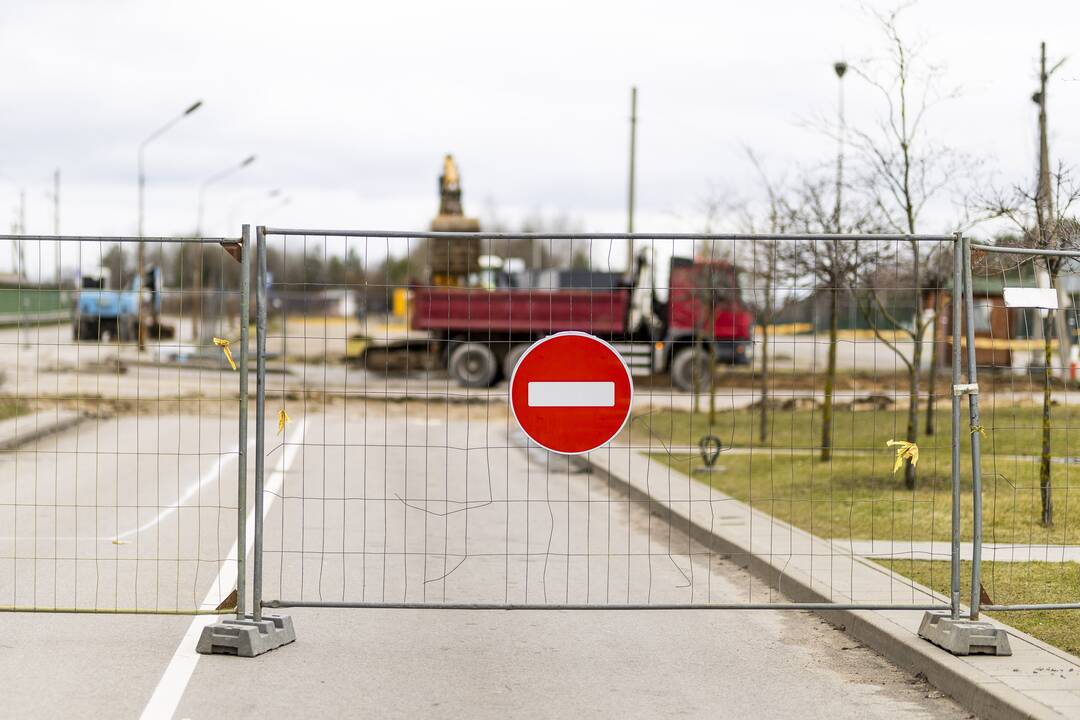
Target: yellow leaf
x=282, y=418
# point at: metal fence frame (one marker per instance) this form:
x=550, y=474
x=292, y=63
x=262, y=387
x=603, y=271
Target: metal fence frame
x=235, y=246
x=262, y=232
x=973, y=414
x=253, y=260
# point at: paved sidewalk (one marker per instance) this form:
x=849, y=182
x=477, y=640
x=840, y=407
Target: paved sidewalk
x=938, y=550
x=1037, y=681
x=22, y=429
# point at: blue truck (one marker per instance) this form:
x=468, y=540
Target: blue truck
x=104, y=314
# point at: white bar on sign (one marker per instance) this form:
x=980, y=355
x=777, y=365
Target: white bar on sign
x=571, y=394
x=1045, y=298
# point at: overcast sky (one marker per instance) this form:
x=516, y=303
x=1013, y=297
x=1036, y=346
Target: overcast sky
x=349, y=106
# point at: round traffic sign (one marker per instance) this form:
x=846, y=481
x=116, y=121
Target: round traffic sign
x=571, y=392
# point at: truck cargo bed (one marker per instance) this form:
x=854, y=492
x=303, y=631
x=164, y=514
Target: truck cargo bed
x=601, y=312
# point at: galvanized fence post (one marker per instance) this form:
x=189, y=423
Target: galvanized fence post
x=260, y=419
x=250, y=635
x=241, y=465
x=957, y=296
x=975, y=433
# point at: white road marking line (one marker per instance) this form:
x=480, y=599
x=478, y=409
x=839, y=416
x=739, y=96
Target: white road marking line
x=210, y=476
x=170, y=688
x=571, y=394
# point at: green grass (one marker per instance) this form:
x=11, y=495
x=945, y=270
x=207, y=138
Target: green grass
x=856, y=494
x=1011, y=429
x=1016, y=583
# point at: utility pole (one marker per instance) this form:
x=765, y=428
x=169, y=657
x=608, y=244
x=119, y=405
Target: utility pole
x=56, y=201
x=20, y=252
x=840, y=68
x=56, y=221
x=630, y=199
x=1044, y=202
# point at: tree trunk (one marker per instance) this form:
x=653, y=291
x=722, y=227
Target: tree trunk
x=763, y=428
x=712, y=383
x=1044, y=463
x=695, y=390
x=830, y=381
x=935, y=358
x=916, y=349
x=913, y=407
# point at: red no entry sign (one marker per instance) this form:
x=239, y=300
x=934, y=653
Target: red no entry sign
x=571, y=392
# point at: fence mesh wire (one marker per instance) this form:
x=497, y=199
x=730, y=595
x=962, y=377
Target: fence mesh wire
x=127, y=502
x=1027, y=375
x=396, y=474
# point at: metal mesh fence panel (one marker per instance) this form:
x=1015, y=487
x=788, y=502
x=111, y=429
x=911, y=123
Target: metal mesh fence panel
x=396, y=475
x=1020, y=323
x=118, y=486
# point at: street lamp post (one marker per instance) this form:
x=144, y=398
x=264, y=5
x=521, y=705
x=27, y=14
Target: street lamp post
x=247, y=200
x=142, y=152
x=217, y=177
x=840, y=68
x=276, y=205
x=140, y=262
x=197, y=280
x=631, y=190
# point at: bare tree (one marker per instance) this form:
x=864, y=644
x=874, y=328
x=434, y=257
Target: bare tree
x=716, y=208
x=831, y=263
x=902, y=170
x=1041, y=214
x=764, y=268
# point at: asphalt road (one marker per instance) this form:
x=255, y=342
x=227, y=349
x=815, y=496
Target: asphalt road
x=374, y=503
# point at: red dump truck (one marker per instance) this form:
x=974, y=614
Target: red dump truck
x=480, y=332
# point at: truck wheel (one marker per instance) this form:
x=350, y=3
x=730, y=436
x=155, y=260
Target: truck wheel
x=690, y=369
x=512, y=356
x=474, y=365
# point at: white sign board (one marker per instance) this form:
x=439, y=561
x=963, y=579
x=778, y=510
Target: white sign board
x=1029, y=297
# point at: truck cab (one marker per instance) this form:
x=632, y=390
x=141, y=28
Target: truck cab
x=705, y=320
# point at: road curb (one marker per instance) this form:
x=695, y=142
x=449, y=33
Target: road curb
x=22, y=429
x=976, y=690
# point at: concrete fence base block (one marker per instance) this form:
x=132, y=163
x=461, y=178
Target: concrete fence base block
x=963, y=637
x=247, y=637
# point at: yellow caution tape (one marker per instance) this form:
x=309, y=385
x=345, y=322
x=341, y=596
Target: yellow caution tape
x=904, y=450
x=985, y=343
x=282, y=418
x=224, y=345
x=978, y=429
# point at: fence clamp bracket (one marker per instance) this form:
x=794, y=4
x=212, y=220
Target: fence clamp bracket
x=235, y=249
x=965, y=389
